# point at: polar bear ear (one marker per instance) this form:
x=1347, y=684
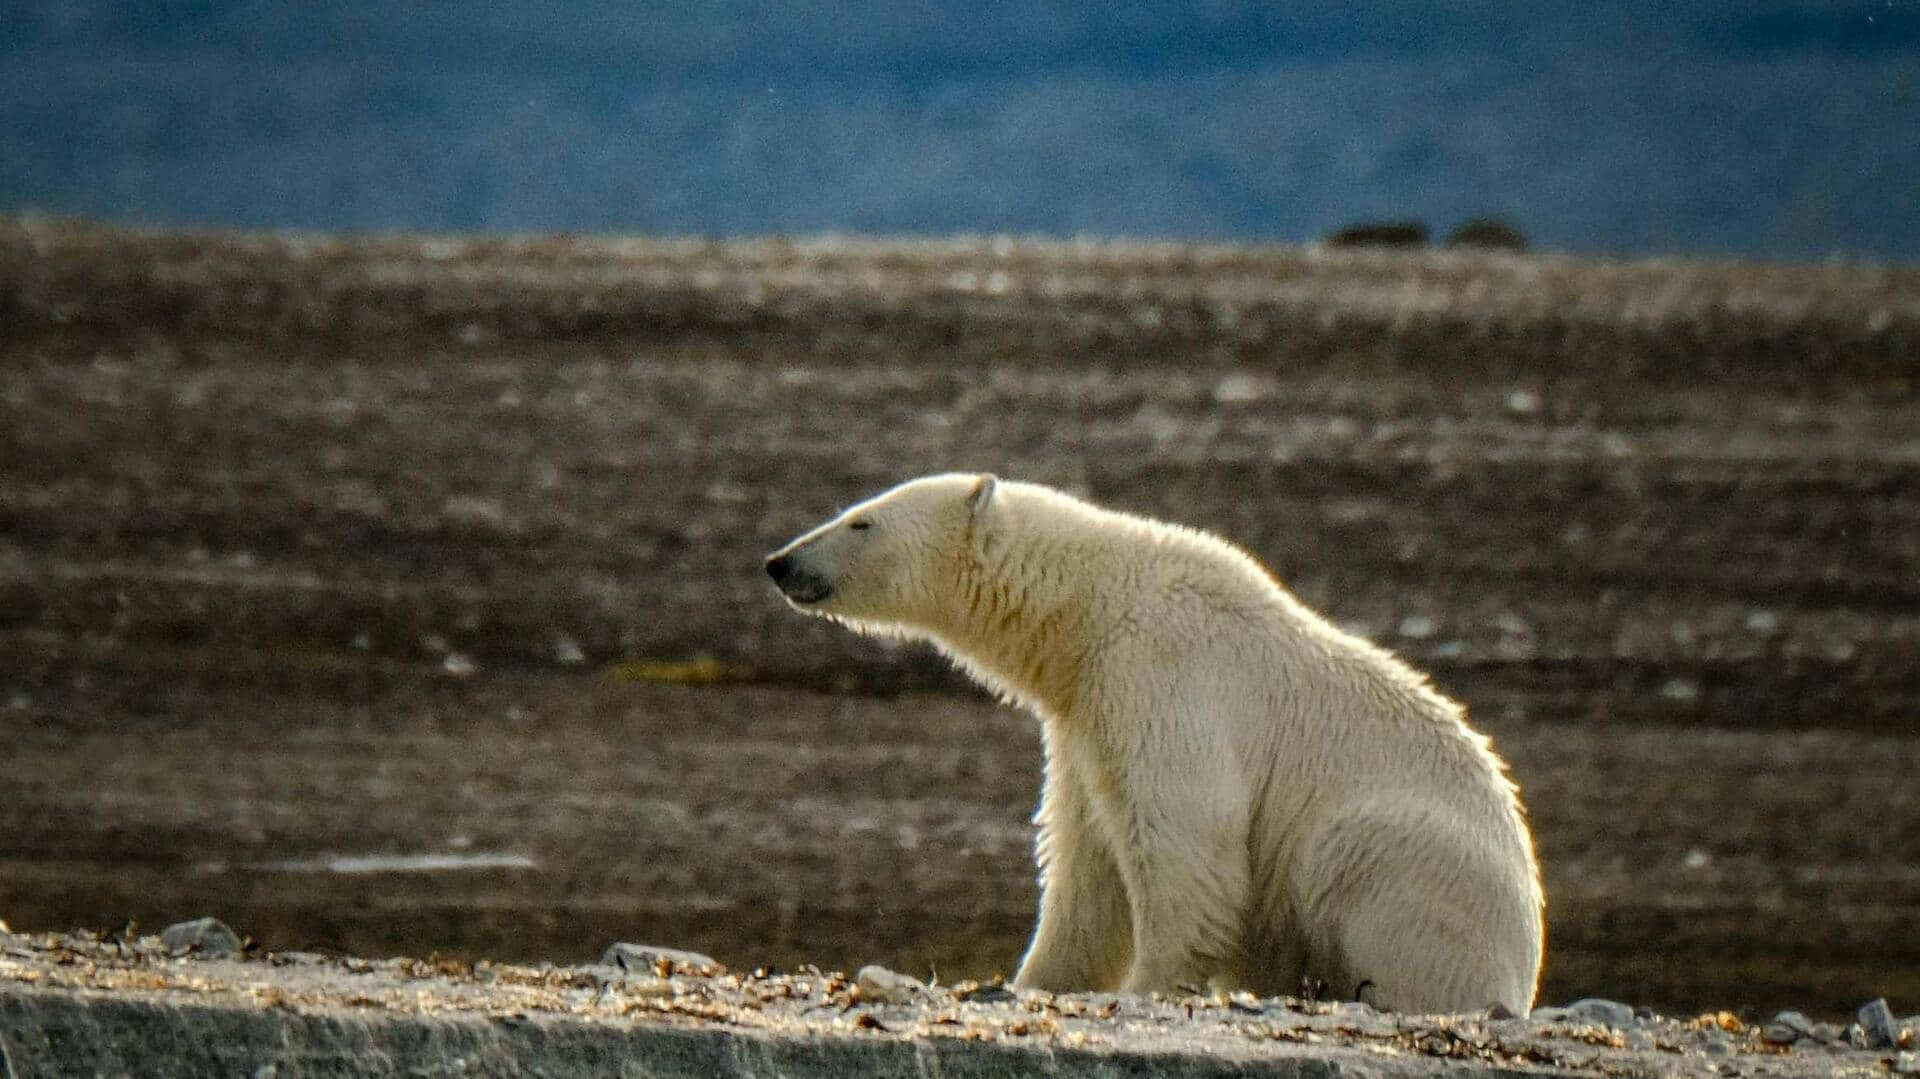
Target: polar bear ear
x=979, y=502
x=982, y=493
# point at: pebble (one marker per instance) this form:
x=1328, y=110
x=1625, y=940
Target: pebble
x=1715, y=1043
x=1610, y=1013
x=1638, y=1038
x=646, y=957
x=206, y=936
x=883, y=986
x=985, y=994
x=1876, y=1023
x=1905, y=1064
x=1786, y=1029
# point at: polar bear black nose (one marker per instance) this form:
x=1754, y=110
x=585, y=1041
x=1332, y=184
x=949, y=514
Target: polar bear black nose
x=779, y=567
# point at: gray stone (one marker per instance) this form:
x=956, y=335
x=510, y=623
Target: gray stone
x=1786, y=1029
x=1876, y=1023
x=647, y=957
x=205, y=936
x=984, y=994
x=883, y=986
x=1831, y=1033
x=1639, y=1038
x=1905, y=1064
x=1610, y=1013
x=1715, y=1043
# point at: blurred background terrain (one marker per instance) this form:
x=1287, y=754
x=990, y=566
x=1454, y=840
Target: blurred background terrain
x=404, y=595
x=401, y=593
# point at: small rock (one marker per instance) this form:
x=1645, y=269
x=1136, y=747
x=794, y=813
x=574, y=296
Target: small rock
x=1610, y=1013
x=1417, y=627
x=1246, y=1003
x=1831, y=1033
x=1636, y=1038
x=1497, y=1012
x=1905, y=1064
x=883, y=986
x=1715, y=1043
x=646, y=957
x=603, y=973
x=567, y=651
x=1876, y=1023
x=985, y=994
x=1239, y=388
x=1786, y=1029
x=206, y=936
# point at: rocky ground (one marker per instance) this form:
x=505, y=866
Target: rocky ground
x=140, y=1004
x=402, y=595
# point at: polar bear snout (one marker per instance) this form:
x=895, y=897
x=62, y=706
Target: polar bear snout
x=796, y=581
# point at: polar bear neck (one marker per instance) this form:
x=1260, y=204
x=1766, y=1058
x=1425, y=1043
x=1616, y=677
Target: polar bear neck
x=1031, y=601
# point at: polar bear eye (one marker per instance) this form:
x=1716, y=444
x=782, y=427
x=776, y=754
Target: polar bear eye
x=859, y=524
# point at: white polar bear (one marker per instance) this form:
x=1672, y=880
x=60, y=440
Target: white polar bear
x=1236, y=793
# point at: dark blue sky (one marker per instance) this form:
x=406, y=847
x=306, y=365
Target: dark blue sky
x=1785, y=130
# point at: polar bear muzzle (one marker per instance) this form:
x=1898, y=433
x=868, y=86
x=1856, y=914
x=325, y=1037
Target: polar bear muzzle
x=797, y=582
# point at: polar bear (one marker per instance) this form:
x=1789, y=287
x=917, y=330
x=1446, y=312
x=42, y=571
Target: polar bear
x=1237, y=793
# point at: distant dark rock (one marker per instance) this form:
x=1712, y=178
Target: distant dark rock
x=1379, y=234
x=206, y=936
x=1489, y=234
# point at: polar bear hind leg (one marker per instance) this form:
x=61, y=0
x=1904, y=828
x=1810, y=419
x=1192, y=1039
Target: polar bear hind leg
x=1424, y=920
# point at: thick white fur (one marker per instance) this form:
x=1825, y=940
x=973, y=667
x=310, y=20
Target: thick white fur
x=1236, y=792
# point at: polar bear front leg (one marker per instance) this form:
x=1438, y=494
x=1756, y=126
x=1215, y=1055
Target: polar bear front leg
x=1084, y=939
x=1181, y=906
x=1184, y=861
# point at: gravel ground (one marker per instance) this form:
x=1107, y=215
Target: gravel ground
x=1171, y=1034
x=402, y=595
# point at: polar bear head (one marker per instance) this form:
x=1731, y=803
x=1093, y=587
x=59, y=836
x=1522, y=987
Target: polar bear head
x=890, y=563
